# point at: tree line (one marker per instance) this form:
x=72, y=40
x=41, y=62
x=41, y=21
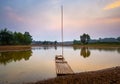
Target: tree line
x=14, y=38
x=45, y=42
x=85, y=39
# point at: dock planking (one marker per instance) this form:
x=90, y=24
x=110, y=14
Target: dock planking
x=62, y=67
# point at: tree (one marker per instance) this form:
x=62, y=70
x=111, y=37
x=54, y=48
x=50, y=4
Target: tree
x=76, y=42
x=85, y=38
x=27, y=38
x=6, y=37
x=20, y=38
x=118, y=38
x=55, y=42
x=16, y=38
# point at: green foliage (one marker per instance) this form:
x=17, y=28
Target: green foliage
x=45, y=43
x=118, y=38
x=14, y=38
x=55, y=42
x=49, y=43
x=76, y=42
x=27, y=38
x=85, y=38
x=6, y=37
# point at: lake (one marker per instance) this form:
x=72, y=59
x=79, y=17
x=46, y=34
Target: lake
x=39, y=62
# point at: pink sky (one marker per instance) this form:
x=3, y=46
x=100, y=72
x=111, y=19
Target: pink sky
x=42, y=18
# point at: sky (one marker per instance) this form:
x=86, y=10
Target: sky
x=42, y=18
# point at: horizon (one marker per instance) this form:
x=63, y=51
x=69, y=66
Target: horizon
x=99, y=19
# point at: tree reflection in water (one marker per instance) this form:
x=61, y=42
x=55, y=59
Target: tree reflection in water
x=7, y=57
x=118, y=50
x=55, y=47
x=85, y=52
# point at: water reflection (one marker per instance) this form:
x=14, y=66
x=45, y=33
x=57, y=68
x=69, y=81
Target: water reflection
x=7, y=57
x=76, y=48
x=106, y=49
x=118, y=50
x=55, y=47
x=41, y=65
x=44, y=47
x=85, y=52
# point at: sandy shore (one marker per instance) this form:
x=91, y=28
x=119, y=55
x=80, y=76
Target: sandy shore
x=105, y=76
x=14, y=48
x=28, y=47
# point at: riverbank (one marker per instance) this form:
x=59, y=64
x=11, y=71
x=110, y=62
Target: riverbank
x=105, y=76
x=80, y=45
x=14, y=48
x=28, y=47
x=99, y=45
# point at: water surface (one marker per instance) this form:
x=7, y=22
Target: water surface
x=39, y=63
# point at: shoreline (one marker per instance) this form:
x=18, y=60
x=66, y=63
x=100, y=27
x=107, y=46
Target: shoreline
x=8, y=48
x=99, y=46
x=104, y=76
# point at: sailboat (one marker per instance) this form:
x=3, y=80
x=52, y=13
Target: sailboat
x=62, y=67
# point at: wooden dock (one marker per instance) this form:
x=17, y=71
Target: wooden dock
x=62, y=67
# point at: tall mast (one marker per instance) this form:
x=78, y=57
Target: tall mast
x=62, y=27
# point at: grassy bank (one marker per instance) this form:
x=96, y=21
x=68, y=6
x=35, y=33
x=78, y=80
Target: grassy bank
x=98, y=45
x=28, y=47
x=105, y=76
x=14, y=48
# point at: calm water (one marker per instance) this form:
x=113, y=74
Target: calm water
x=38, y=63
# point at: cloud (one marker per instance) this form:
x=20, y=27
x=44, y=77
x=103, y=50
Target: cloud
x=113, y=5
x=81, y=23
x=12, y=14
